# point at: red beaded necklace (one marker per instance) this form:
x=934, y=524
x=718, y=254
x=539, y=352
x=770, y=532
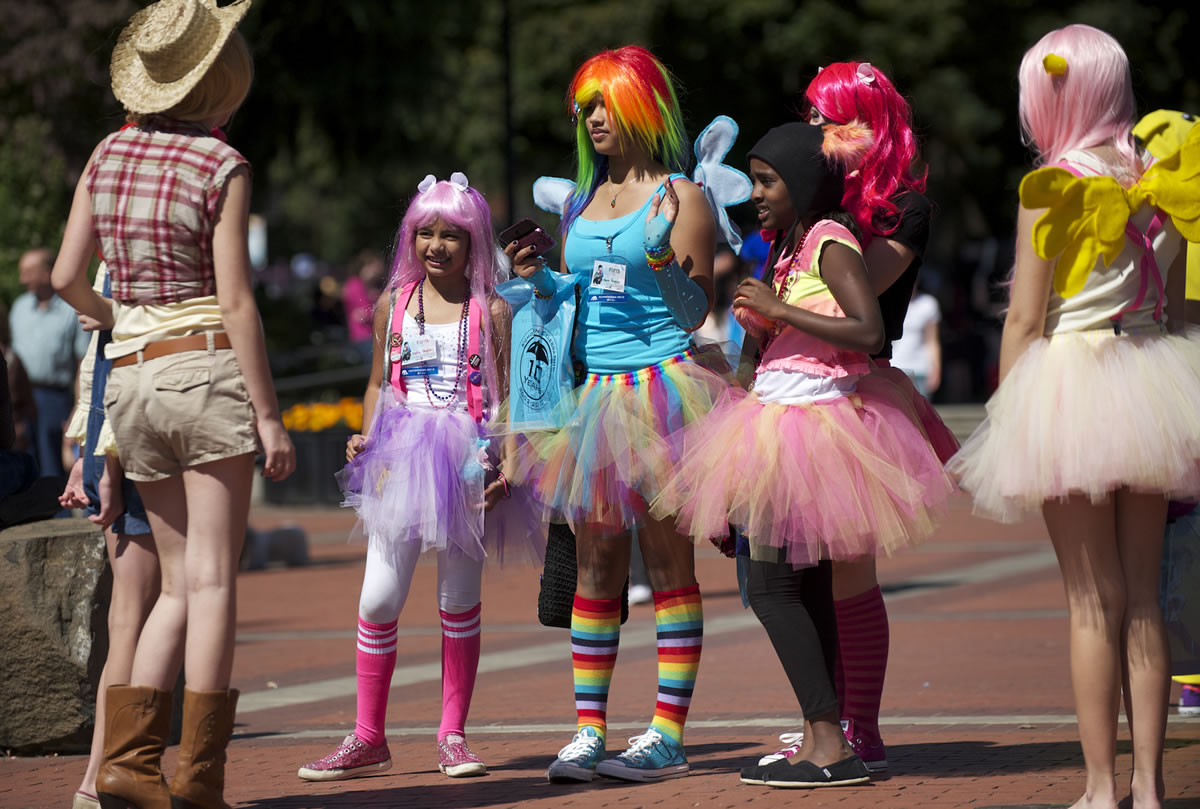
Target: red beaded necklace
x=785, y=282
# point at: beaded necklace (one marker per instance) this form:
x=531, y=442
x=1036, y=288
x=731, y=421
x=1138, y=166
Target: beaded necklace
x=777, y=326
x=460, y=364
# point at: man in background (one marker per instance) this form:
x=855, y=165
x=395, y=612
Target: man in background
x=48, y=340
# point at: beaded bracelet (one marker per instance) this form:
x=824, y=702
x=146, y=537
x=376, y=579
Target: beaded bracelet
x=660, y=260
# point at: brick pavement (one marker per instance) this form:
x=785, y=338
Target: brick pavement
x=977, y=706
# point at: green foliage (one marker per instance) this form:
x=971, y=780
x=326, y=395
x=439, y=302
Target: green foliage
x=356, y=101
x=34, y=193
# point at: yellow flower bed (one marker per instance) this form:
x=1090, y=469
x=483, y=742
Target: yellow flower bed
x=325, y=415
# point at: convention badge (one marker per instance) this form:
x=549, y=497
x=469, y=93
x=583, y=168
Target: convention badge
x=608, y=280
x=421, y=348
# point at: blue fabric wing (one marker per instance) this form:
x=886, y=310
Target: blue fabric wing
x=723, y=185
x=551, y=193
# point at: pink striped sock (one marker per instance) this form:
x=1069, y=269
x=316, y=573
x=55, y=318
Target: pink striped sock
x=460, y=662
x=862, y=625
x=373, y=665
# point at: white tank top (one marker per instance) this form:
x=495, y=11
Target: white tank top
x=446, y=336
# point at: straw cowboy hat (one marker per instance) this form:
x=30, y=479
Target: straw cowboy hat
x=166, y=49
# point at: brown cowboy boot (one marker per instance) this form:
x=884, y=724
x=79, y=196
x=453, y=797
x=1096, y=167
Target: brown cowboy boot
x=199, y=781
x=136, y=722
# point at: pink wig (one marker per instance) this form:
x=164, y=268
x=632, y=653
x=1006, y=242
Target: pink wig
x=1088, y=104
x=841, y=95
x=467, y=210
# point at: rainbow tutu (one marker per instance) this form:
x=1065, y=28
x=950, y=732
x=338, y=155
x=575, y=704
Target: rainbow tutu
x=1088, y=413
x=421, y=479
x=622, y=442
x=835, y=478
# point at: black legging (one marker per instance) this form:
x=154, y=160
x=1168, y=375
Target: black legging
x=796, y=609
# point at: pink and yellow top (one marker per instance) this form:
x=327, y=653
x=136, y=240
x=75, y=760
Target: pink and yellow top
x=799, y=275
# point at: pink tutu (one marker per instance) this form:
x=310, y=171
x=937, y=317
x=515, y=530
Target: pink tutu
x=836, y=478
x=939, y=435
x=1087, y=413
x=421, y=479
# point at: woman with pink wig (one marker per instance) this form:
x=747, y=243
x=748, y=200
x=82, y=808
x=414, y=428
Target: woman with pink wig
x=1095, y=419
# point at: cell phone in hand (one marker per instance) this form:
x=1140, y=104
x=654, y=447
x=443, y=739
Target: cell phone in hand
x=525, y=233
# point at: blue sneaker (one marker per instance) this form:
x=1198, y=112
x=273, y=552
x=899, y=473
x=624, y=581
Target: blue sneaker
x=577, y=761
x=650, y=757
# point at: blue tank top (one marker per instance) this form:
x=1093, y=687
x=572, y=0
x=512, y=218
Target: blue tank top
x=617, y=336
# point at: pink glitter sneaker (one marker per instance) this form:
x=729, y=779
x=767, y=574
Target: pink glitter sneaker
x=456, y=760
x=353, y=758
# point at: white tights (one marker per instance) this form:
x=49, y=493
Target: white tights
x=388, y=576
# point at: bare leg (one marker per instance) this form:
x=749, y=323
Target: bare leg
x=134, y=589
x=1084, y=537
x=854, y=577
x=603, y=564
x=670, y=557
x=1141, y=520
x=218, y=499
x=160, y=645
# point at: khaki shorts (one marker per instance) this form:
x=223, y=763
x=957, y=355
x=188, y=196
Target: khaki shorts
x=178, y=411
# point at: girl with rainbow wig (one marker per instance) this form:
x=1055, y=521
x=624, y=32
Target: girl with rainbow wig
x=1095, y=420
x=884, y=192
x=426, y=476
x=642, y=239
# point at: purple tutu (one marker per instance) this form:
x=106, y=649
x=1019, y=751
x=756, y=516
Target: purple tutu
x=421, y=479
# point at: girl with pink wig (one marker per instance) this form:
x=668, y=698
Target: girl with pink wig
x=884, y=194
x=427, y=470
x=1095, y=419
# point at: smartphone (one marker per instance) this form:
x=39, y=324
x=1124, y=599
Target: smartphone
x=525, y=233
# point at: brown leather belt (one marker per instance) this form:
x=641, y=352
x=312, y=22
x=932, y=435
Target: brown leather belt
x=161, y=348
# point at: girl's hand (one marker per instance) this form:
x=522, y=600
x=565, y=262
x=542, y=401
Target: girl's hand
x=660, y=219
x=277, y=445
x=754, y=294
x=525, y=262
x=88, y=323
x=73, y=495
x=494, y=492
x=112, y=499
x=355, y=445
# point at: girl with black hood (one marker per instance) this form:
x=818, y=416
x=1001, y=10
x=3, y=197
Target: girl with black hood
x=817, y=461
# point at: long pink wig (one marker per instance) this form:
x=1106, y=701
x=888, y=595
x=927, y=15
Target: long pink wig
x=1090, y=104
x=889, y=167
x=466, y=209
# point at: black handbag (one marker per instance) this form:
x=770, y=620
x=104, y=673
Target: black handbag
x=557, y=595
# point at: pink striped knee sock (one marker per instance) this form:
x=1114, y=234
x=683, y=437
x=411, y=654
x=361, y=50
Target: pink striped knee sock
x=373, y=665
x=460, y=662
x=862, y=625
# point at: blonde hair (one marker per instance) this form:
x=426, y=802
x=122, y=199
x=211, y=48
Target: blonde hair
x=222, y=89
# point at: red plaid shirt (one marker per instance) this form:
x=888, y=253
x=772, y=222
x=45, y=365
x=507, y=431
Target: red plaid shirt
x=154, y=201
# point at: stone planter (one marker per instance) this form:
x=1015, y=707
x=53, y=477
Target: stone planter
x=55, y=587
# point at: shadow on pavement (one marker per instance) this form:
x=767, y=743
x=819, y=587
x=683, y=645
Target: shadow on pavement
x=978, y=758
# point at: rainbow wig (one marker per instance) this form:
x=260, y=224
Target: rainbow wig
x=1087, y=103
x=467, y=210
x=640, y=100
x=840, y=94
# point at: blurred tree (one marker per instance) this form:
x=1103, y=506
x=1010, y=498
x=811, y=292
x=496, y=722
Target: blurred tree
x=354, y=102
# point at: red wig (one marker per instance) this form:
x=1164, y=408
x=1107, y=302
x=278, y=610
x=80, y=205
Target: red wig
x=848, y=92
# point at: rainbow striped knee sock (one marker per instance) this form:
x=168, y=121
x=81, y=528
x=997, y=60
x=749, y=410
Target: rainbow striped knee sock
x=679, y=617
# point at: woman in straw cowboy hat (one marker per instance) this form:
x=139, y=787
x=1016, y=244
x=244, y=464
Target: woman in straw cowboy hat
x=190, y=396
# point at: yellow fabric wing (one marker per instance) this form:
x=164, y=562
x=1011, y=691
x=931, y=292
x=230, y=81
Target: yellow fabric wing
x=1085, y=219
x=1173, y=184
